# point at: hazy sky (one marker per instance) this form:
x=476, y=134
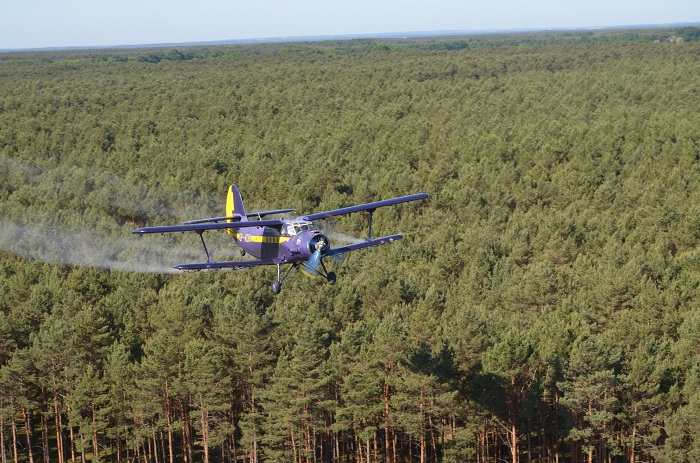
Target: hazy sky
x=61, y=23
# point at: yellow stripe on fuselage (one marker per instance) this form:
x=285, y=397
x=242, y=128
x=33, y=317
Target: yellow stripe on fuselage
x=247, y=238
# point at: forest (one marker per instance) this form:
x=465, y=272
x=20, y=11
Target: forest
x=544, y=305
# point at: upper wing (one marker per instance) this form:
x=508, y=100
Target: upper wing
x=200, y=227
x=365, y=207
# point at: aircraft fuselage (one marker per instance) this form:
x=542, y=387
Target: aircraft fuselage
x=295, y=240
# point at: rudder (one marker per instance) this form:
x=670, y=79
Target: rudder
x=235, y=211
x=234, y=205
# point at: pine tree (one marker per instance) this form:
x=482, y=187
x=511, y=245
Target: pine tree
x=592, y=393
x=209, y=384
x=508, y=367
x=246, y=334
x=120, y=383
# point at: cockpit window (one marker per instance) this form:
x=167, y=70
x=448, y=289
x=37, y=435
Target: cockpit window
x=295, y=228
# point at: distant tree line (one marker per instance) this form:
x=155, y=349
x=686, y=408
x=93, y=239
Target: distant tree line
x=343, y=47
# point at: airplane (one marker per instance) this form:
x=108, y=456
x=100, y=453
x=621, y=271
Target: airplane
x=276, y=242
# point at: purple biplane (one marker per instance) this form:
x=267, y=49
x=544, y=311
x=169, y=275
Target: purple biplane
x=276, y=242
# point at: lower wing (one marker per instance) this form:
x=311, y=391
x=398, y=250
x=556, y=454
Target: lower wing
x=363, y=244
x=254, y=263
x=222, y=265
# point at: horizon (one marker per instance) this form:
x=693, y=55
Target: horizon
x=46, y=24
x=331, y=37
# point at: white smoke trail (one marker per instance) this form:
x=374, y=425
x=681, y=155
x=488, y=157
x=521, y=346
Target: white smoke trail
x=128, y=253
x=339, y=239
x=34, y=233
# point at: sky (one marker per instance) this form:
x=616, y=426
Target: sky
x=92, y=23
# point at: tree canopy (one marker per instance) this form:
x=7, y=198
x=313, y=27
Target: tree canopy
x=542, y=307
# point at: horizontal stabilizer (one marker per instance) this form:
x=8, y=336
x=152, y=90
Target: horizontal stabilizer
x=262, y=214
x=210, y=220
x=251, y=215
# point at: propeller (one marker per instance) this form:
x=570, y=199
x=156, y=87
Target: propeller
x=317, y=245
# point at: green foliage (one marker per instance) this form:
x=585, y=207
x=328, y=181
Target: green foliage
x=545, y=297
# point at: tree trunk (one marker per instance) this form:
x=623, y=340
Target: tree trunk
x=72, y=442
x=147, y=448
x=632, y=447
x=336, y=447
x=513, y=435
x=205, y=432
x=254, y=444
x=358, y=445
x=45, y=438
x=95, y=446
x=119, y=445
x=422, y=430
x=307, y=442
x=14, y=441
x=431, y=431
x=387, y=434
x=3, y=454
x=57, y=416
x=168, y=414
x=187, y=428
x=59, y=429
x=155, y=447
x=297, y=457
x=28, y=427
x=513, y=412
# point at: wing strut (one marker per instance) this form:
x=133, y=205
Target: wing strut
x=369, y=231
x=201, y=237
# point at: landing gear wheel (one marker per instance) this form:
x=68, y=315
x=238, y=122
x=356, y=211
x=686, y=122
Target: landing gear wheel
x=242, y=252
x=276, y=287
x=331, y=278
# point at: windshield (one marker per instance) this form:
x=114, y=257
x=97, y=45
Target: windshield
x=294, y=228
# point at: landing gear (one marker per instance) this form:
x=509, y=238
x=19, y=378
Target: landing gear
x=277, y=284
x=330, y=278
